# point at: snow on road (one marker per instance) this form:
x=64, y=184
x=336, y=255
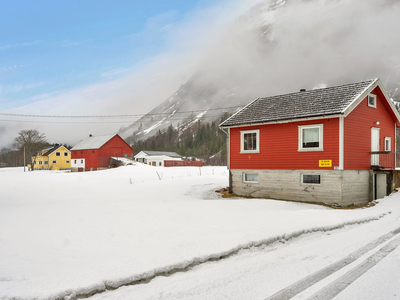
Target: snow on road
x=66, y=234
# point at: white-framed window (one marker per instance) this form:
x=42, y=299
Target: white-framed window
x=67, y=161
x=311, y=137
x=372, y=100
x=40, y=162
x=388, y=143
x=46, y=162
x=250, y=141
x=54, y=162
x=250, y=177
x=310, y=179
x=58, y=153
x=81, y=161
x=65, y=153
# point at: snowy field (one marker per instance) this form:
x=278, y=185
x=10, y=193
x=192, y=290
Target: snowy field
x=69, y=234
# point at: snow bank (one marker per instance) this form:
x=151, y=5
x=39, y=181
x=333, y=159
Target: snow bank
x=68, y=234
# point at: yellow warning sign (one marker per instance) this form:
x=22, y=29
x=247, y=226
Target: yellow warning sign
x=325, y=163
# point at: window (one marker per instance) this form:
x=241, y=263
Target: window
x=81, y=161
x=40, y=162
x=310, y=179
x=388, y=142
x=46, y=162
x=65, y=153
x=159, y=163
x=250, y=141
x=74, y=161
x=311, y=137
x=250, y=177
x=153, y=163
x=372, y=100
x=58, y=153
x=54, y=162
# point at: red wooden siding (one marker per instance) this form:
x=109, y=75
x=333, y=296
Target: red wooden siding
x=357, y=132
x=279, y=147
x=183, y=163
x=100, y=158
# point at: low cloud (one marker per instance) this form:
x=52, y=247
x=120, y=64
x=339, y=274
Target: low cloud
x=248, y=47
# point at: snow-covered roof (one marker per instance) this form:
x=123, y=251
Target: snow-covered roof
x=160, y=153
x=93, y=142
x=304, y=104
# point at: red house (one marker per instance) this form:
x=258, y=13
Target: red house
x=95, y=152
x=333, y=145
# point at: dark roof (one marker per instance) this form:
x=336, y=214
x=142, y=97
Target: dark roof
x=312, y=103
x=48, y=152
x=159, y=153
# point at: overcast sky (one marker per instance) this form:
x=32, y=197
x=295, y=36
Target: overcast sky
x=98, y=57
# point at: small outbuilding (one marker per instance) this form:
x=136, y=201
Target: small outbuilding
x=156, y=158
x=95, y=152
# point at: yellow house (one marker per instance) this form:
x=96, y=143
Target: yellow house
x=54, y=158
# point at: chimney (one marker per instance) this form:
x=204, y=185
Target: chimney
x=302, y=90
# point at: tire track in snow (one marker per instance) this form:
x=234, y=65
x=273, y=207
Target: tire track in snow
x=187, y=266
x=337, y=286
x=305, y=283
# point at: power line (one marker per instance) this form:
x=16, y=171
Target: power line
x=116, y=116
x=172, y=118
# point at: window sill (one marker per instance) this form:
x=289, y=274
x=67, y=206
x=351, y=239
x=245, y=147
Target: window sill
x=310, y=150
x=249, y=151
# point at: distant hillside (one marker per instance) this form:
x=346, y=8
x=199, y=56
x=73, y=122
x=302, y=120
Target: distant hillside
x=201, y=140
x=280, y=47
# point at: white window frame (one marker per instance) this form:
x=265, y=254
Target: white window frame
x=58, y=153
x=372, y=97
x=40, y=162
x=388, y=139
x=67, y=161
x=303, y=183
x=65, y=153
x=321, y=137
x=250, y=181
x=54, y=162
x=242, y=133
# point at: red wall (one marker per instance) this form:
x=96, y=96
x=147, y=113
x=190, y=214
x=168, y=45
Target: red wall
x=357, y=132
x=100, y=158
x=183, y=163
x=279, y=147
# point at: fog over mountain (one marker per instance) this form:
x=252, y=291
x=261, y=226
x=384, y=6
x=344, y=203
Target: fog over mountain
x=222, y=58
x=280, y=47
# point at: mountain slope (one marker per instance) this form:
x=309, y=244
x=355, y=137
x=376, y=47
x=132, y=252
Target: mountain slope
x=280, y=47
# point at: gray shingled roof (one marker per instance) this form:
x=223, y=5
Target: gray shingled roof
x=160, y=153
x=313, y=103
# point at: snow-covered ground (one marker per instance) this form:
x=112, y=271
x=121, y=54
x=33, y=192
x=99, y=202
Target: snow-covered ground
x=66, y=234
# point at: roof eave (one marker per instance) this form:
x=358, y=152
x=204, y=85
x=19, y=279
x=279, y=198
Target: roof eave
x=325, y=116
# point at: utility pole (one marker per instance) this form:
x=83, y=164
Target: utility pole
x=24, y=159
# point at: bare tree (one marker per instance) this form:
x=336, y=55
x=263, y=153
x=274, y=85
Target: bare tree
x=32, y=141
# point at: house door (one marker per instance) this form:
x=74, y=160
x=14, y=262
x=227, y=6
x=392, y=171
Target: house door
x=379, y=186
x=374, y=146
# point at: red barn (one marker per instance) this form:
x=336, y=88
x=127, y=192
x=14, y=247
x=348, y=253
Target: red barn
x=333, y=145
x=95, y=152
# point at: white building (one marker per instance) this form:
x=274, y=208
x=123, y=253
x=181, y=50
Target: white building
x=156, y=158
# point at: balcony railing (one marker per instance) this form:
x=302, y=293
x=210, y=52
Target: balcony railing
x=384, y=160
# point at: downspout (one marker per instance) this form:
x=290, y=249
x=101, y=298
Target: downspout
x=228, y=158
